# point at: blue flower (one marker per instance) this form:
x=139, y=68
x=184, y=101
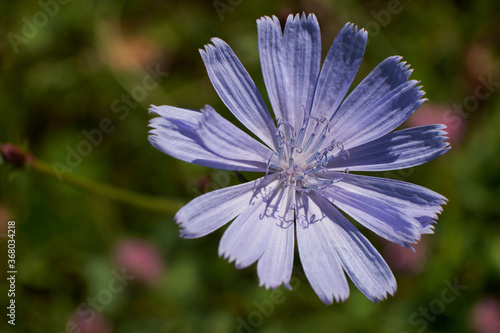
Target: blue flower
x=320, y=135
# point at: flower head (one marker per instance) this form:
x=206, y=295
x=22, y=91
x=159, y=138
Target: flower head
x=307, y=156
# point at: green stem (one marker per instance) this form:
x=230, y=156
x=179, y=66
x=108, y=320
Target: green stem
x=143, y=200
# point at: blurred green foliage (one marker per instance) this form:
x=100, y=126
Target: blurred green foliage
x=67, y=73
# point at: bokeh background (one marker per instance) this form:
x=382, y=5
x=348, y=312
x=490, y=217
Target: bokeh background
x=73, y=69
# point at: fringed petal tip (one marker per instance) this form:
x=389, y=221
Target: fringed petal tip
x=184, y=231
x=390, y=292
x=275, y=286
x=307, y=18
x=330, y=300
x=153, y=109
x=427, y=228
x=354, y=28
x=269, y=20
x=223, y=254
x=444, y=136
x=187, y=235
x=442, y=142
x=238, y=264
x=216, y=42
x=401, y=67
x=153, y=123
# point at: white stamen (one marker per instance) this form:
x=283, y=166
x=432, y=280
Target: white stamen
x=306, y=165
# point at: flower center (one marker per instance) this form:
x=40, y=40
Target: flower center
x=293, y=176
x=304, y=155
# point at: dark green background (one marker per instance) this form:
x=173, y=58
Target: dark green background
x=73, y=72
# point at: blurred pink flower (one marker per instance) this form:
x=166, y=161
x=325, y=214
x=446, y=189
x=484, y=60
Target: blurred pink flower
x=95, y=323
x=430, y=113
x=486, y=316
x=405, y=260
x=140, y=259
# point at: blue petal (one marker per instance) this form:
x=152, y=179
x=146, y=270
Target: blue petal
x=383, y=117
x=427, y=224
x=392, y=209
x=302, y=42
x=379, y=104
x=339, y=69
x=272, y=60
x=238, y=91
x=212, y=210
x=175, y=134
x=246, y=239
x=276, y=264
x=290, y=64
x=226, y=140
x=410, y=198
x=401, y=149
x=320, y=260
x=360, y=260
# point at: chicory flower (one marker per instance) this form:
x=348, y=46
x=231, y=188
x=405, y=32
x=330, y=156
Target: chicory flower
x=307, y=156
